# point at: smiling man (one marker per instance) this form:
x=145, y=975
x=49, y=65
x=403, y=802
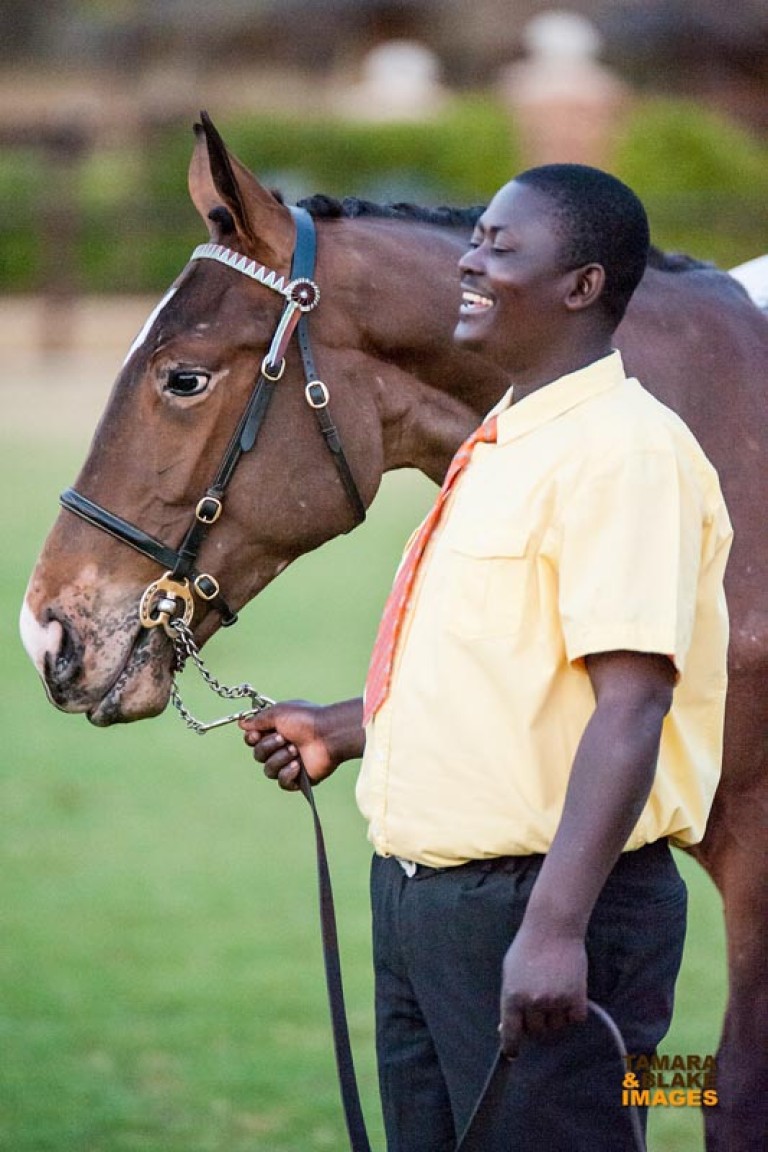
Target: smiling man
x=544, y=707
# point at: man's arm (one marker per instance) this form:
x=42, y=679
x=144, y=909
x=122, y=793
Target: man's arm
x=323, y=736
x=544, y=983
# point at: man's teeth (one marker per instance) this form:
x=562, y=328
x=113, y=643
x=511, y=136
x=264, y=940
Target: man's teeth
x=475, y=301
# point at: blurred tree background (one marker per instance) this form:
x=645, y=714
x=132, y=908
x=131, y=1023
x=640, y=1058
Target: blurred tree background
x=97, y=99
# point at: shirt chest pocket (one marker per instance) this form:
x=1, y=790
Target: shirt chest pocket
x=487, y=574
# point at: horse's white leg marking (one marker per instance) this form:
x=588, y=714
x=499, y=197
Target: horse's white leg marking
x=38, y=639
x=148, y=324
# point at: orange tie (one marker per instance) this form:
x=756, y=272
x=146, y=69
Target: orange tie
x=382, y=658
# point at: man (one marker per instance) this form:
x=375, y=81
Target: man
x=544, y=706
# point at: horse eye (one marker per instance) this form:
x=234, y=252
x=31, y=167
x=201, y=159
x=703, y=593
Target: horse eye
x=183, y=382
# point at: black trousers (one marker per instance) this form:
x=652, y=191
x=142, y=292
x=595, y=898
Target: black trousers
x=439, y=939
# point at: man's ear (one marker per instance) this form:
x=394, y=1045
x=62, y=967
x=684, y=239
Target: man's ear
x=586, y=287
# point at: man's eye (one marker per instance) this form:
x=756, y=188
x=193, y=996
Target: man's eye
x=185, y=382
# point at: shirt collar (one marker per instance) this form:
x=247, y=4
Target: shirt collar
x=552, y=400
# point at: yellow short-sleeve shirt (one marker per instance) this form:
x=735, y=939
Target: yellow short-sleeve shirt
x=594, y=524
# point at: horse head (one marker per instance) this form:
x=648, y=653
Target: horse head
x=184, y=386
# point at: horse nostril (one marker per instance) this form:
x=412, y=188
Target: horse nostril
x=63, y=663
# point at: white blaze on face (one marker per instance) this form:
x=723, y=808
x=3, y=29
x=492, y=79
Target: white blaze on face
x=38, y=639
x=148, y=324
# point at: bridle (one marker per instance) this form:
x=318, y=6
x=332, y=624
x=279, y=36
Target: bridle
x=171, y=598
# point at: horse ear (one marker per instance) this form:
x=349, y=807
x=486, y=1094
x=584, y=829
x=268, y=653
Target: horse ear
x=217, y=180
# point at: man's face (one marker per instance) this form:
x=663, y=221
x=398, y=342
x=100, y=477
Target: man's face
x=513, y=281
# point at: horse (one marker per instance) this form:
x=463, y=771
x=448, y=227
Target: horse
x=402, y=395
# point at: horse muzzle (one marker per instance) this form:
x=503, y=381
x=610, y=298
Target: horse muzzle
x=114, y=671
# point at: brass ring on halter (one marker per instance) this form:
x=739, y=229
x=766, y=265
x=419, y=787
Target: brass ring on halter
x=304, y=293
x=164, y=600
x=265, y=366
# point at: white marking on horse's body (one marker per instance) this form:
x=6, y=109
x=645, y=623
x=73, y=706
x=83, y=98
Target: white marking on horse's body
x=754, y=277
x=147, y=328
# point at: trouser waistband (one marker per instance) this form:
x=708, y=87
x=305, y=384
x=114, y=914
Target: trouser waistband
x=638, y=858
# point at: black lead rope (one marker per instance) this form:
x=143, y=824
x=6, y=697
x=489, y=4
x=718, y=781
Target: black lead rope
x=345, y=1065
x=482, y=1123
x=484, y=1115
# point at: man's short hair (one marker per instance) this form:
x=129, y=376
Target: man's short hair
x=601, y=221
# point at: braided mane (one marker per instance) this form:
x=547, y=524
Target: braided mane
x=328, y=208
x=324, y=207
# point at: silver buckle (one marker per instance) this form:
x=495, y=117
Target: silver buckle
x=317, y=394
x=209, y=592
x=275, y=375
x=201, y=512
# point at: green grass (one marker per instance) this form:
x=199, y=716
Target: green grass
x=161, y=986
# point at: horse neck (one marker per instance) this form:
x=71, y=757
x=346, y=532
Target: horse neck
x=426, y=413
x=399, y=308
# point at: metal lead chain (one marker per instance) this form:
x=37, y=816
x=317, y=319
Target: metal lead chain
x=186, y=649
